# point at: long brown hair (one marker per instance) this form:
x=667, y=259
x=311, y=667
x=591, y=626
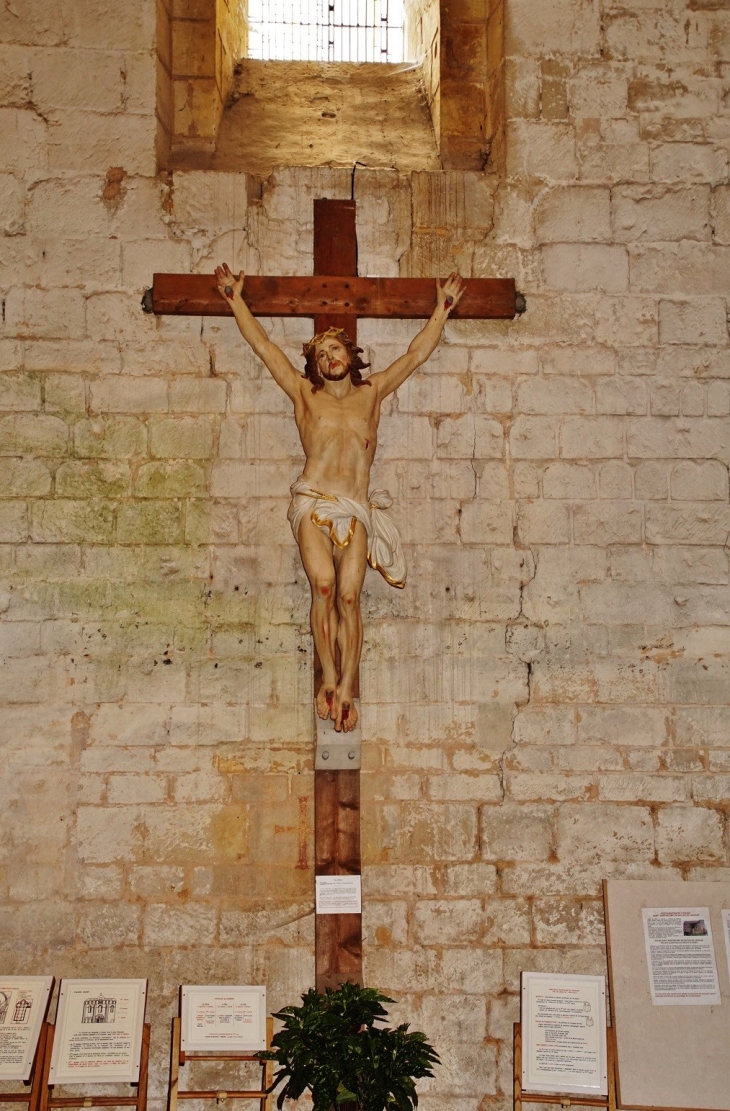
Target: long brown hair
x=355, y=365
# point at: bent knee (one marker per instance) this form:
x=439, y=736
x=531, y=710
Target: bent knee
x=348, y=599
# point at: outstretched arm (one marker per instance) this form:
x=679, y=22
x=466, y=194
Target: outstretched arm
x=425, y=343
x=273, y=358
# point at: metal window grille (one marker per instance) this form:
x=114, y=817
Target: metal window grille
x=326, y=30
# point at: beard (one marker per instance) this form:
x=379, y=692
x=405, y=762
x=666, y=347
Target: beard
x=336, y=375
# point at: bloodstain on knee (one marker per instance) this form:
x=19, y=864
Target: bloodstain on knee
x=324, y=590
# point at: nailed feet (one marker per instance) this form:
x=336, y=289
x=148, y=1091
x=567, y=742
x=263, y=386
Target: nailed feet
x=337, y=704
x=325, y=701
x=345, y=711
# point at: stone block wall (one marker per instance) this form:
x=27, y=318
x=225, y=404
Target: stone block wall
x=198, y=43
x=545, y=704
x=423, y=44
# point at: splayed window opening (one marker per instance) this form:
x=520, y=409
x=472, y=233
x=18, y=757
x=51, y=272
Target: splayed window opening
x=326, y=30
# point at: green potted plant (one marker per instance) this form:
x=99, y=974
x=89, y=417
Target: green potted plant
x=331, y=1046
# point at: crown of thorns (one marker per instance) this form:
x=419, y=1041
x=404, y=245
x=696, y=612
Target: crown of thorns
x=336, y=333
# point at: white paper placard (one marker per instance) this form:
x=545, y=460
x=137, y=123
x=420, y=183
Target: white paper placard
x=680, y=956
x=564, y=1034
x=98, y=1032
x=338, y=895
x=229, y=1018
x=23, y=1004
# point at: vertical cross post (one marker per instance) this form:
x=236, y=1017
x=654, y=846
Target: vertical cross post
x=338, y=937
x=335, y=296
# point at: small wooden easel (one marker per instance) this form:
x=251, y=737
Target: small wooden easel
x=48, y=1101
x=565, y=1101
x=33, y=1095
x=179, y=1057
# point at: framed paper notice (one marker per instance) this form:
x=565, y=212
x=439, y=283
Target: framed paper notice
x=98, y=1032
x=564, y=1034
x=23, y=1006
x=223, y=1018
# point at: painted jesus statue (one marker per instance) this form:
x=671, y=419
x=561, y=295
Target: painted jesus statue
x=339, y=525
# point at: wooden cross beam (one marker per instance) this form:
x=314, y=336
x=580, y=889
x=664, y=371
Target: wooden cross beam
x=405, y=298
x=335, y=297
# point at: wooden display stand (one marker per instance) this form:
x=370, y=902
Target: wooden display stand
x=33, y=1095
x=520, y=1096
x=49, y=1101
x=179, y=1057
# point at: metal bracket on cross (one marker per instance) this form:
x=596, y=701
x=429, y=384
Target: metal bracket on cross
x=337, y=752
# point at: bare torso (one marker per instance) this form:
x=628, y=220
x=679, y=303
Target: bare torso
x=339, y=437
x=338, y=427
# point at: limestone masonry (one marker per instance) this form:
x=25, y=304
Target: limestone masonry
x=544, y=705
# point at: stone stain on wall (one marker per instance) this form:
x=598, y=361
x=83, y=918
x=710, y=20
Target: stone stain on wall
x=546, y=703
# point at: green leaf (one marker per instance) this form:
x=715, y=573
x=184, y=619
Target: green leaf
x=332, y=1046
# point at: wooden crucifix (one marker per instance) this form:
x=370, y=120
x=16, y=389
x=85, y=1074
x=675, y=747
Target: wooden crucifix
x=335, y=297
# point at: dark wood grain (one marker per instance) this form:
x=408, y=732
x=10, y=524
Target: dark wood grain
x=338, y=937
x=335, y=255
x=329, y=297
x=335, y=238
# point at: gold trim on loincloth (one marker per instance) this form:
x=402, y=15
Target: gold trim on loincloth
x=322, y=522
x=391, y=582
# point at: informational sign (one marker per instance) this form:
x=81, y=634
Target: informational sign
x=338, y=895
x=726, y=934
x=680, y=956
x=667, y=1056
x=23, y=1004
x=227, y=1018
x=98, y=1036
x=564, y=1034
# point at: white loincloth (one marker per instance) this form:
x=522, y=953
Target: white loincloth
x=337, y=516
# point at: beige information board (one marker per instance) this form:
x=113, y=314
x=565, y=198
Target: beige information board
x=98, y=1034
x=668, y=965
x=23, y=1006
